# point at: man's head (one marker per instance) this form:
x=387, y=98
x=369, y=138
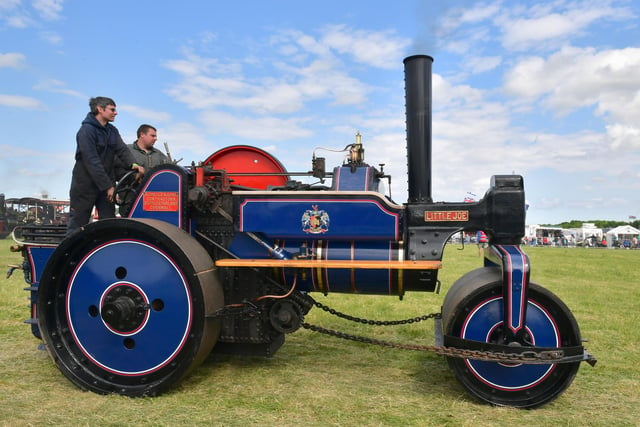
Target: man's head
x=103, y=108
x=147, y=136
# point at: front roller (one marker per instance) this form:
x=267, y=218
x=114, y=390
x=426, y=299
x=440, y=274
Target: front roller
x=123, y=306
x=473, y=310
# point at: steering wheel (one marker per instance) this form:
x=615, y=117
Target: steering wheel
x=125, y=188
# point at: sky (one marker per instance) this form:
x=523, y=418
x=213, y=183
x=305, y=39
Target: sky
x=546, y=90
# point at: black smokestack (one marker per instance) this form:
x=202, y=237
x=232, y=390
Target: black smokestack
x=417, y=76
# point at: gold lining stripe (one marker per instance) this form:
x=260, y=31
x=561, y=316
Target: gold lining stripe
x=400, y=250
x=319, y=272
x=334, y=263
x=353, y=270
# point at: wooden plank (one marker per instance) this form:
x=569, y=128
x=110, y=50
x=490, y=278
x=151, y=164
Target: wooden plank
x=305, y=263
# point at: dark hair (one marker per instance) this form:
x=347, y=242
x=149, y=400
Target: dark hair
x=145, y=129
x=100, y=101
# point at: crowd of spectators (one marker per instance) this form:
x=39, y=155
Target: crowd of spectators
x=593, y=241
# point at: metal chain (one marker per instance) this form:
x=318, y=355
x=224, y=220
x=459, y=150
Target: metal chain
x=530, y=357
x=248, y=309
x=375, y=322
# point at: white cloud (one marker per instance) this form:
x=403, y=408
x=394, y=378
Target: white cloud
x=624, y=136
x=12, y=60
x=185, y=141
x=481, y=64
x=574, y=78
x=546, y=25
x=210, y=84
x=18, y=15
x=458, y=16
x=19, y=20
x=527, y=78
x=193, y=65
x=208, y=37
x=447, y=95
x=48, y=9
x=145, y=113
x=57, y=86
x=380, y=49
x=480, y=12
x=263, y=97
x=312, y=71
x=51, y=37
x=183, y=66
x=23, y=102
x=304, y=41
x=522, y=33
x=254, y=128
x=325, y=79
x=6, y=5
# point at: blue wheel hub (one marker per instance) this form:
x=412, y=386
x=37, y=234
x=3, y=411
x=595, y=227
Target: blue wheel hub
x=125, y=316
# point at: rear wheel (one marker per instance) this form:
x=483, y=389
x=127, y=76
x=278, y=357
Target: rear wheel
x=473, y=310
x=123, y=306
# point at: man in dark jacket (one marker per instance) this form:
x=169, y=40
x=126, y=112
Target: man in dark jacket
x=93, y=177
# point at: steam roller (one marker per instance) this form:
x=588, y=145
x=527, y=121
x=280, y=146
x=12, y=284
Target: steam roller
x=226, y=254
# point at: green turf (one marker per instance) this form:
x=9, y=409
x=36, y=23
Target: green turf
x=320, y=380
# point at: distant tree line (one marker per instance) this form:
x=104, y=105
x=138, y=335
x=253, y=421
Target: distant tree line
x=575, y=223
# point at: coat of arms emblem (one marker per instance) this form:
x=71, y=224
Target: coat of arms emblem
x=315, y=221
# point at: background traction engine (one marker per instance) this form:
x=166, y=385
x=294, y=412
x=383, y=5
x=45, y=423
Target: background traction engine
x=228, y=252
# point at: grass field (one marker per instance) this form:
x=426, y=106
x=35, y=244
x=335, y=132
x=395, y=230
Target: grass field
x=320, y=380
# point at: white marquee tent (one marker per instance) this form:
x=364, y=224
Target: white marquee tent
x=622, y=232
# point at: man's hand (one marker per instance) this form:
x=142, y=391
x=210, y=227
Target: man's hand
x=140, y=169
x=140, y=173
x=110, y=192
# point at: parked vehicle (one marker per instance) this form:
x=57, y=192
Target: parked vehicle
x=31, y=210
